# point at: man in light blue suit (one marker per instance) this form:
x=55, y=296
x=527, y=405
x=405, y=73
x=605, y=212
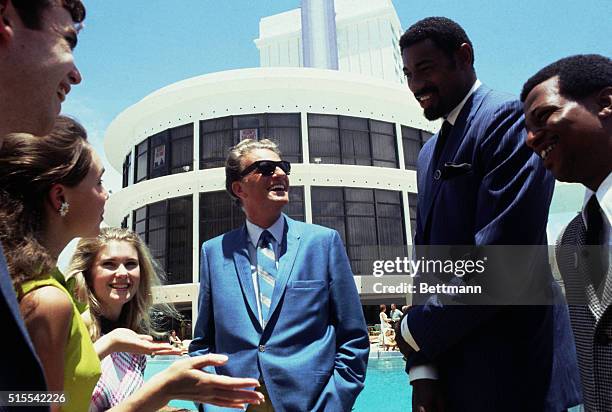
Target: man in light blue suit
x=278, y=296
x=478, y=184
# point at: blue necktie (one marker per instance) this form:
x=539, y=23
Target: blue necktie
x=266, y=273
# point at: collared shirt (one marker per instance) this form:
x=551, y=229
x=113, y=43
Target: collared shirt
x=453, y=114
x=604, y=197
x=429, y=371
x=396, y=314
x=254, y=232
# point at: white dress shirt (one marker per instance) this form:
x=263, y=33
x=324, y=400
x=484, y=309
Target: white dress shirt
x=429, y=371
x=254, y=232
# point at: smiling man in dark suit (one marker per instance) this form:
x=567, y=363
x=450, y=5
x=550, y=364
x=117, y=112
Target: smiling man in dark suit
x=568, y=113
x=478, y=184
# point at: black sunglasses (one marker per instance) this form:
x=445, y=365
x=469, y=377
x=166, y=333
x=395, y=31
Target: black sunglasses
x=267, y=167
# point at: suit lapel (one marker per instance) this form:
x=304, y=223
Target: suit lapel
x=583, y=268
x=289, y=250
x=606, y=300
x=242, y=263
x=454, y=140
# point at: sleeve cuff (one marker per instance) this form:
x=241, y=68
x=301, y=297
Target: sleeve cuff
x=422, y=372
x=407, y=336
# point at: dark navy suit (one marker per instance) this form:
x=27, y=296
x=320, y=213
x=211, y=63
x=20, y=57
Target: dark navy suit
x=312, y=353
x=21, y=370
x=491, y=358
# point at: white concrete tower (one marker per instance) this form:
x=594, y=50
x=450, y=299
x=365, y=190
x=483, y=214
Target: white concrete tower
x=320, y=47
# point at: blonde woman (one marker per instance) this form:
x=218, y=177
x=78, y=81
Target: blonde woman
x=114, y=273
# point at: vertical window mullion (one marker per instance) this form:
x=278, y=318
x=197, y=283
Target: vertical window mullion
x=371, y=145
x=167, y=231
x=378, y=246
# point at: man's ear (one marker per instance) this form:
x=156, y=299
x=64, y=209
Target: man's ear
x=56, y=196
x=465, y=55
x=604, y=102
x=7, y=13
x=237, y=189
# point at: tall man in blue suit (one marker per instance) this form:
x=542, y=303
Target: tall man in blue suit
x=36, y=71
x=478, y=184
x=278, y=296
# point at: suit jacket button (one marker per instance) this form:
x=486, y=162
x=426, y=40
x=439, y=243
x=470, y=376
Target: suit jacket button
x=437, y=174
x=262, y=348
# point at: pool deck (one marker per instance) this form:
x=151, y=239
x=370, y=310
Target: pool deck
x=376, y=351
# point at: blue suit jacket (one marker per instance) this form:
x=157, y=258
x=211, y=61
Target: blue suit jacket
x=21, y=370
x=313, y=352
x=491, y=358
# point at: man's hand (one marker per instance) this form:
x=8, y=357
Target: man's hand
x=406, y=349
x=426, y=396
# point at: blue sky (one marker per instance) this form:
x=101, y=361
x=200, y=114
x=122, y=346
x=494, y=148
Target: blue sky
x=128, y=49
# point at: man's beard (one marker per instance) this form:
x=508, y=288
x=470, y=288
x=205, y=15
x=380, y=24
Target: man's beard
x=434, y=113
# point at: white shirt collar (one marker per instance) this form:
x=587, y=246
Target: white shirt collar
x=452, y=116
x=276, y=230
x=604, y=197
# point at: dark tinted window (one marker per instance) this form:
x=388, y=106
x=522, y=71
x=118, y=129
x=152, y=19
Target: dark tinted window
x=370, y=222
x=351, y=140
x=166, y=227
x=217, y=136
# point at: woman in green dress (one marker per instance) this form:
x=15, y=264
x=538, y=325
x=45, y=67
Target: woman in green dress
x=51, y=192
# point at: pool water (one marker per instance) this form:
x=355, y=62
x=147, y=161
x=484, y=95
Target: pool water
x=386, y=386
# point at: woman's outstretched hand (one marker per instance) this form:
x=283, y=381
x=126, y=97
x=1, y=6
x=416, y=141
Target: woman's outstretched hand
x=185, y=380
x=126, y=340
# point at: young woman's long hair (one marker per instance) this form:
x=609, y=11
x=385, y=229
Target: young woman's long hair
x=29, y=167
x=135, y=314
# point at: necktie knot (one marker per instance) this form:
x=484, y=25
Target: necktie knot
x=445, y=130
x=265, y=238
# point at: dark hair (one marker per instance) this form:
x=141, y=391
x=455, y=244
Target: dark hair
x=233, y=165
x=579, y=75
x=446, y=34
x=30, y=11
x=29, y=166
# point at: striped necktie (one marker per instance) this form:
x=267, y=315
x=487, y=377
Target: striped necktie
x=266, y=273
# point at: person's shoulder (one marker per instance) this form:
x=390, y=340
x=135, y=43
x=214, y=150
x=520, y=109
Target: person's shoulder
x=46, y=304
x=569, y=234
x=310, y=229
x=217, y=241
x=496, y=101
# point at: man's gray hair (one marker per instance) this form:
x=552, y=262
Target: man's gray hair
x=233, y=163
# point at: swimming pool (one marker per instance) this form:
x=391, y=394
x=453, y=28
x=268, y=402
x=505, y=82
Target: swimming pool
x=386, y=385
